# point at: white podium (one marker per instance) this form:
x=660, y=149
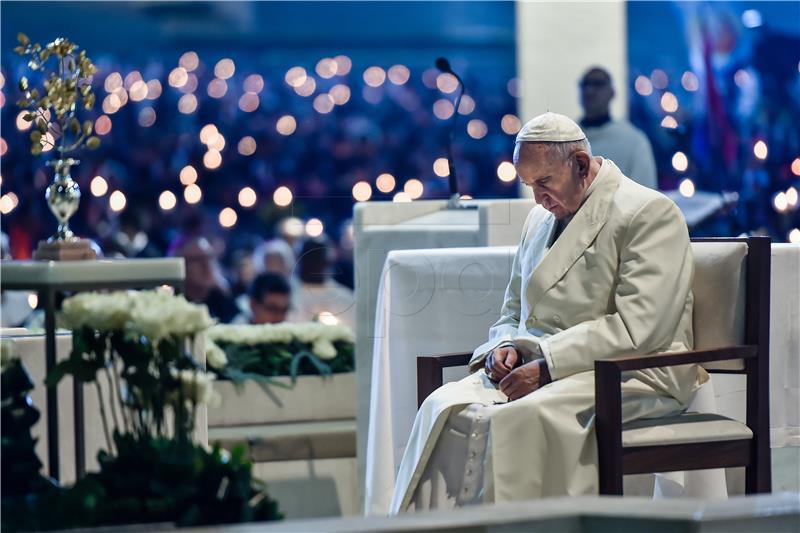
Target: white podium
x=381, y=227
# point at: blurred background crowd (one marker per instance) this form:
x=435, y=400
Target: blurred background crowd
x=244, y=151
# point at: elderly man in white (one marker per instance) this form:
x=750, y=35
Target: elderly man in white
x=604, y=269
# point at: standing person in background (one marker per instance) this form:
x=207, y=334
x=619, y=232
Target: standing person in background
x=618, y=140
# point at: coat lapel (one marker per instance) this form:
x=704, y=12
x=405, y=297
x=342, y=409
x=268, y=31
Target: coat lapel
x=578, y=234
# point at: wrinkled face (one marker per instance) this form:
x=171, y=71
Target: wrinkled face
x=272, y=308
x=558, y=185
x=596, y=93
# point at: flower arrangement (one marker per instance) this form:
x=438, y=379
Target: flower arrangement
x=262, y=352
x=151, y=471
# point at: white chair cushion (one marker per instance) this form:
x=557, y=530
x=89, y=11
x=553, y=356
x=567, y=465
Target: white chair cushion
x=719, y=298
x=683, y=429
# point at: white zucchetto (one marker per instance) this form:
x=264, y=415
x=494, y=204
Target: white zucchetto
x=550, y=127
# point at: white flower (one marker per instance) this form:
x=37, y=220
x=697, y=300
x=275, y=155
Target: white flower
x=215, y=356
x=197, y=386
x=323, y=349
x=157, y=315
x=100, y=311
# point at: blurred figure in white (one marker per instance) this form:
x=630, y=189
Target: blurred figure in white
x=276, y=256
x=618, y=140
x=319, y=296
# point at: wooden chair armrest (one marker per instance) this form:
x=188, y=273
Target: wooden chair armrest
x=429, y=371
x=639, y=362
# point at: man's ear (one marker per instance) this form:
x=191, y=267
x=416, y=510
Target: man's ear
x=582, y=163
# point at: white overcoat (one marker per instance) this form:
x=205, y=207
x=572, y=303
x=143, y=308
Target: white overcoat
x=616, y=282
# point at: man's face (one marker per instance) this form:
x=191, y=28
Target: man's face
x=596, y=93
x=556, y=184
x=272, y=309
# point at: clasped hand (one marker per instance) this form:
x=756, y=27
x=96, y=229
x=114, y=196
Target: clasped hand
x=514, y=381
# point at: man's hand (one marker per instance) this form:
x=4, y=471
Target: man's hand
x=521, y=381
x=500, y=362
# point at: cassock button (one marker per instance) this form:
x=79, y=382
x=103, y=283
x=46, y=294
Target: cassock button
x=557, y=319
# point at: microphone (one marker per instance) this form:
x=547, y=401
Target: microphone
x=455, y=198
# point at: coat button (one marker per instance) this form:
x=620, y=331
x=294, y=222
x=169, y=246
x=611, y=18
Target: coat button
x=557, y=319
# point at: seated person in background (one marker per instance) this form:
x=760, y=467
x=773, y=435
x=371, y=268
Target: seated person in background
x=270, y=298
x=205, y=283
x=604, y=269
x=318, y=293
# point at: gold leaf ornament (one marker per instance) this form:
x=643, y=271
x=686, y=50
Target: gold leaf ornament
x=93, y=143
x=23, y=39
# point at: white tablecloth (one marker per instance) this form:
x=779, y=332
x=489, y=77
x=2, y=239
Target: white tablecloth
x=440, y=301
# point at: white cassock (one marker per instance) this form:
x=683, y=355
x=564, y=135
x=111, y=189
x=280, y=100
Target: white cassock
x=616, y=282
x=628, y=147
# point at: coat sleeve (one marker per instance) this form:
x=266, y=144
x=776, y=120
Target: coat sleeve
x=505, y=329
x=654, y=280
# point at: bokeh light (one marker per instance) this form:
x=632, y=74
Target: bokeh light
x=192, y=194
x=343, y=65
x=340, y=94
x=249, y=102
x=138, y=91
x=441, y=168
x=177, y=77
x=8, y=202
x=689, y=81
x=147, y=117
x=188, y=175
x=399, y=74
x=414, y=189
x=113, y=82
x=314, y=227
x=247, y=197
x=323, y=103
x=307, y=88
x=401, y=197
x=443, y=109
x=154, y=89
x=385, y=183
x=643, y=85
x=446, y=82
x=326, y=68
x=513, y=87
x=669, y=102
x=760, y=150
x=506, y=171
x=208, y=133
x=374, y=76
x=477, y=129
x=191, y=84
x=669, y=122
x=227, y=217
x=167, y=201
x=659, y=79
x=791, y=197
x=247, y=146
x=22, y=124
x=282, y=196
x=212, y=159
x=117, y=201
x=187, y=104
x=466, y=106
x=680, y=162
x=98, y=186
x=286, y=125
x=796, y=166
x=189, y=61
x=362, y=191
x=686, y=188
x=132, y=78
x=794, y=236
x=296, y=76
x=510, y=124
x=111, y=104
x=780, y=202
x=224, y=68
x=254, y=83
x=217, y=88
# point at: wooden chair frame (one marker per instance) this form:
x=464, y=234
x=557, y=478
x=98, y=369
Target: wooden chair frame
x=614, y=460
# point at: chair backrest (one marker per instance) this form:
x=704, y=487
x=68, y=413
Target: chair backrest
x=720, y=283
